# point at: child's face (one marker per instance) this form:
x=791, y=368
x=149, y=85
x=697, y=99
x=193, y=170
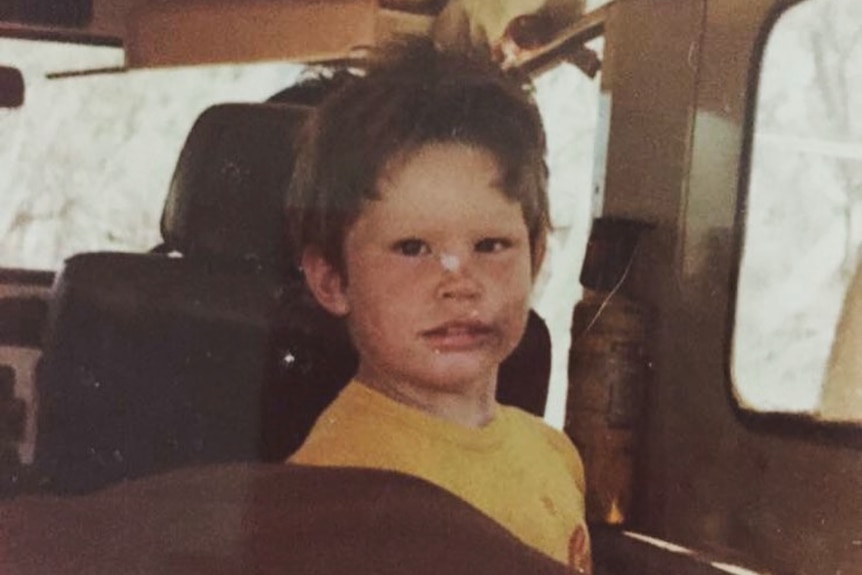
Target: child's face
x=438, y=274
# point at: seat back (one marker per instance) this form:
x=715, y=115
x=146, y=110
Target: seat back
x=153, y=361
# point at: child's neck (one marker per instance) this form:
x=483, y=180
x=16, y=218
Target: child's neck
x=472, y=408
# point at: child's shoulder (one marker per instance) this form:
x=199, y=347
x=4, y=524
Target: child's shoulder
x=534, y=428
x=530, y=423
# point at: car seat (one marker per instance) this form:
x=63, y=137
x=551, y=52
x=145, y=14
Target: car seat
x=152, y=361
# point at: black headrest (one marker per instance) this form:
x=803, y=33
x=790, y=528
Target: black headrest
x=225, y=199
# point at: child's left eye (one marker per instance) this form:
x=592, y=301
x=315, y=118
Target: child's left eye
x=491, y=245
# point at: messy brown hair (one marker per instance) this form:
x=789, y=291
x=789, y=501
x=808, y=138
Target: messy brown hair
x=410, y=95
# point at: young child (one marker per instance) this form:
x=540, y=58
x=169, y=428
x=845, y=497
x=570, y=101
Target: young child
x=419, y=210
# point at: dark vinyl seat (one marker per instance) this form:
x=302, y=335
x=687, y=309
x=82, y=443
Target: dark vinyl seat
x=205, y=352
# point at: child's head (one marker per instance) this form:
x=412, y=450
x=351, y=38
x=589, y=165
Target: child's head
x=410, y=96
x=419, y=211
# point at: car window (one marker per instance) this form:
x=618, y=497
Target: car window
x=87, y=161
x=803, y=213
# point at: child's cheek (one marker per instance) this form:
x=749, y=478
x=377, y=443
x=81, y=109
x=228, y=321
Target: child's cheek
x=509, y=267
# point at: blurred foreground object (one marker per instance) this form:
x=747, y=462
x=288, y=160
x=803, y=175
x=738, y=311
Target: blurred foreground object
x=263, y=519
x=502, y=27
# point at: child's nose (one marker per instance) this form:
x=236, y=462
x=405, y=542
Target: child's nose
x=457, y=280
x=450, y=262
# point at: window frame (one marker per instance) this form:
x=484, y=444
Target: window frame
x=795, y=425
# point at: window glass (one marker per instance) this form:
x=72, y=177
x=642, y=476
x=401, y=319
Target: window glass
x=803, y=215
x=86, y=163
x=569, y=102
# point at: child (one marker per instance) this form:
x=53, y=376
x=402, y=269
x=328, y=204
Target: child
x=419, y=210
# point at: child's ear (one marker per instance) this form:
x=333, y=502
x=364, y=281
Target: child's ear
x=325, y=282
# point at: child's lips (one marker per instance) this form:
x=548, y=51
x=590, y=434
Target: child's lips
x=458, y=335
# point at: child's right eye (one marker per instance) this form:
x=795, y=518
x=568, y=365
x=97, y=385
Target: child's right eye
x=411, y=247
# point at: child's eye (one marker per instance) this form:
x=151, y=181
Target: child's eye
x=411, y=247
x=492, y=245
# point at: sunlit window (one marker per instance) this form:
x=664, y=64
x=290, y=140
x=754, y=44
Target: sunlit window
x=803, y=216
x=86, y=163
x=569, y=101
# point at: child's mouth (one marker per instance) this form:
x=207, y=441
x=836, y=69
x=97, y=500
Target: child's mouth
x=458, y=336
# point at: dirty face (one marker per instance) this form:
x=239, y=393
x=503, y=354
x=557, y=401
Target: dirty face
x=438, y=274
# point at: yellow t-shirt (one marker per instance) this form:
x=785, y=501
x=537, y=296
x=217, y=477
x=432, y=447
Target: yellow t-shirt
x=517, y=470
